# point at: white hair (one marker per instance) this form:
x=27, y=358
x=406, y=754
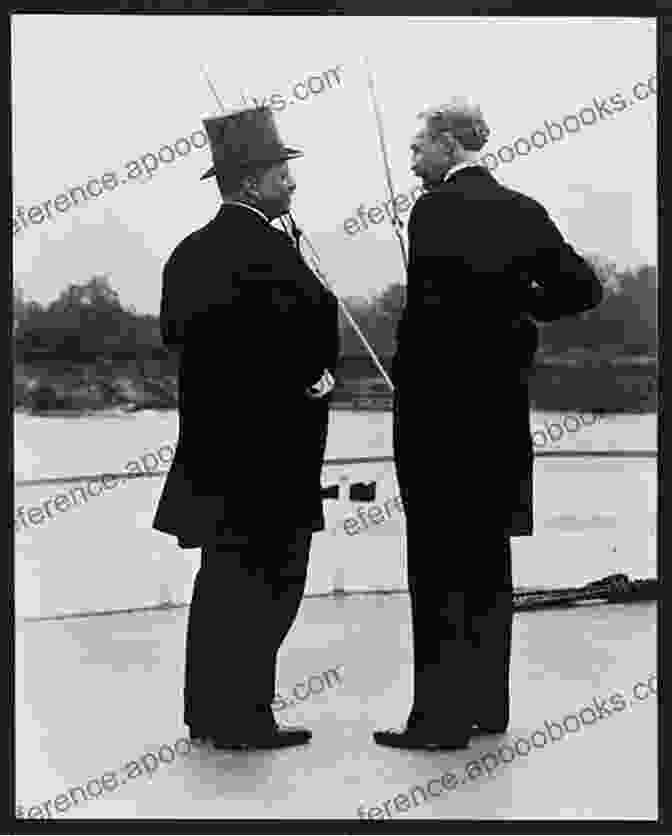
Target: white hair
x=459, y=117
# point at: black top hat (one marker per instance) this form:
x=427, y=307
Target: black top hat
x=245, y=139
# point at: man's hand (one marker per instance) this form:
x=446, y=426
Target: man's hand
x=323, y=386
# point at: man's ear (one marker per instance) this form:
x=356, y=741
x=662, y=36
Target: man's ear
x=449, y=143
x=250, y=186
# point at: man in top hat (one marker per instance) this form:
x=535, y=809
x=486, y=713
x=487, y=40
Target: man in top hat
x=485, y=264
x=257, y=336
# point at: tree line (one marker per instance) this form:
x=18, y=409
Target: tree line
x=88, y=322
x=623, y=324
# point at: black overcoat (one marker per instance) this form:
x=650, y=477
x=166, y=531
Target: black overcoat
x=485, y=262
x=254, y=328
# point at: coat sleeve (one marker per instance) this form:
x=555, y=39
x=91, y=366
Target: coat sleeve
x=269, y=320
x=567, y=283
x=395, y=368
x=174, y=306
x=334, y=353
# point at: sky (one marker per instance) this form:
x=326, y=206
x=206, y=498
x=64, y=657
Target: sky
x=91, y=93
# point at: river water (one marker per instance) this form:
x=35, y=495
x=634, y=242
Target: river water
x=593, y=516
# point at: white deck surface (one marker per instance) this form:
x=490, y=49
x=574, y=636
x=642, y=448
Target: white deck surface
x=95, y=693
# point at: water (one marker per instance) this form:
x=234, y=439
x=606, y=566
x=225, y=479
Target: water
x=67, y=446
x=593, y=516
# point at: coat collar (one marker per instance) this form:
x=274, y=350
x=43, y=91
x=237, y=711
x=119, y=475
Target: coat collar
x=305, y=277
x=458, y=178
x=460, y=167
x=225, y=207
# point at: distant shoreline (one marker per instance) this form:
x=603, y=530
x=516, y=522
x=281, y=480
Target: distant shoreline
x=589, y=385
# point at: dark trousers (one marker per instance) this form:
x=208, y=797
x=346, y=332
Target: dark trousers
x=461, y=598
x=244, y=603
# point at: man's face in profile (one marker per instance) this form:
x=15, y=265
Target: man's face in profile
x=430, y=159
x=276, y=187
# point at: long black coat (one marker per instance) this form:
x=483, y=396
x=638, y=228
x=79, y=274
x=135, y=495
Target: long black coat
x=466, y=342
x=254, y=327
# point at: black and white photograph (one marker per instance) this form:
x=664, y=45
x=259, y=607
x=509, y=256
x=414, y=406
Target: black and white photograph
x=335, y=436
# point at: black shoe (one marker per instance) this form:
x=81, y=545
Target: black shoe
x=417, y=738
x=224, y=743
x=277, y=738
x=198, y=736
x=494, y=728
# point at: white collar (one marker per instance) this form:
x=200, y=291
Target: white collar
x=467, y=164
x=247, y=206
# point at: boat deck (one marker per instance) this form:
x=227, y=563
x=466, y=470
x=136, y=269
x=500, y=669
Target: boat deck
x=97, y=692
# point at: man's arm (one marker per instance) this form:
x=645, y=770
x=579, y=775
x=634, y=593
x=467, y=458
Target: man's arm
x=567, y=283
x=174, y=305
x=267, y=320
x=395, y=370
x=191, y=285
